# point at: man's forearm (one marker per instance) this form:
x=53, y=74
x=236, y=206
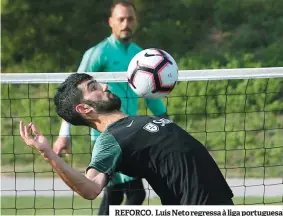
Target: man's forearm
x=156, y=106
x=65, y=129
x=74, y=179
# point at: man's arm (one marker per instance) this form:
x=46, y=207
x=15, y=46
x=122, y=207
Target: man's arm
x=88, y=186
x=63, y=142
x=157, y=107
x=92, y=61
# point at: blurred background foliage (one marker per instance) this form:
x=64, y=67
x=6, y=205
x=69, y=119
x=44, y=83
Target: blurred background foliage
x=240, y=121
x=51, y=36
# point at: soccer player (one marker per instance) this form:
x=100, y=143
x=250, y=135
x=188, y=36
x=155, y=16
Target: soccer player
x=176, y=165
x=111, y=55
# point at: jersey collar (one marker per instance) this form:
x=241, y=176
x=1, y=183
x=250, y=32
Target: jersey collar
x=116, y=122
x=118, y=43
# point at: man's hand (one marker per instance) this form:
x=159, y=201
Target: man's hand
x=38, y=141
x=165, y=115
x=88, y=186
x=62, y=144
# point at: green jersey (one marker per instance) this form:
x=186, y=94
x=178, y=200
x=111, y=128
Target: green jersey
x=111, y=55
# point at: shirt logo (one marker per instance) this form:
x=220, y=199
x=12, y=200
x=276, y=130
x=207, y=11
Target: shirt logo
x=162, y=121
x=115, y=62
x=149, y=55
x=130, y=124
x=150, y=127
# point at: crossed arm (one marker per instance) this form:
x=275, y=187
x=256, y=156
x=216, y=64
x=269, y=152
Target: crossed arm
x=88, y=186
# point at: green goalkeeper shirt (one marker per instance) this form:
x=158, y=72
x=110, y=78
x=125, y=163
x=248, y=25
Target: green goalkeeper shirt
x=111, y=55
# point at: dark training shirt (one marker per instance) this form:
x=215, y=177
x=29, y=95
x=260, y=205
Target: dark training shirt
x=177, y=166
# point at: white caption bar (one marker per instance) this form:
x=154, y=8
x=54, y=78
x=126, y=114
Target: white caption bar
x=240, y=210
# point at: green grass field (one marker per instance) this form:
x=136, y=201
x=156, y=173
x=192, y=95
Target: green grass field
x=27, y=205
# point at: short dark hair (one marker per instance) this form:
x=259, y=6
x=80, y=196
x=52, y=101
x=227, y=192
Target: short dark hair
x=68, y=96
x=124, y=3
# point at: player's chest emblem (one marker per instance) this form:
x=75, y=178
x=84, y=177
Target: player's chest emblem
x=150, y=127
x=154, y=127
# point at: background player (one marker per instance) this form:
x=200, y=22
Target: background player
x=114, y=54
x=177, y=166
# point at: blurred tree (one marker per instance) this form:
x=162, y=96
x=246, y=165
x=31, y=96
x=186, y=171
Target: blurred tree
x=52, y=36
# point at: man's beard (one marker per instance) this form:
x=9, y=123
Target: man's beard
x=127, y=37
x=106, y=106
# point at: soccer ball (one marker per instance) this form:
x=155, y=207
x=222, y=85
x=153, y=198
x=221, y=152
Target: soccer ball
x=152, y=73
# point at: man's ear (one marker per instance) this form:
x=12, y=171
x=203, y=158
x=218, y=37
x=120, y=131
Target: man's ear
x=110, y=21
x=83, y=108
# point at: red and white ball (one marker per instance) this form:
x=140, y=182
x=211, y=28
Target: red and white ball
x=152, y=73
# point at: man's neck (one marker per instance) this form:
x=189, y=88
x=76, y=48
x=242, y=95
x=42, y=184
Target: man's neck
x=105, y=120
x=126, y=42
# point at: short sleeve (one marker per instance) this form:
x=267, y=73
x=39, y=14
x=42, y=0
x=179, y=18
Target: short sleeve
x=91, y=61
x=106, y=154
